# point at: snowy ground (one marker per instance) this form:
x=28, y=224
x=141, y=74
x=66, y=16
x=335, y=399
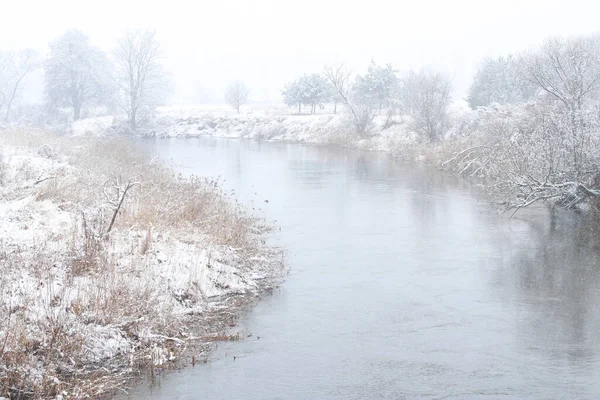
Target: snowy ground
x=84, y=309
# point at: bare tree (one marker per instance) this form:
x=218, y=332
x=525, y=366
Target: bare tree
x=14, y=67
x=362, y=112
x=339, y=77
x=76, y=73
x=141, y=79
x=236, y=95
x=566, y=69
x=427, y=97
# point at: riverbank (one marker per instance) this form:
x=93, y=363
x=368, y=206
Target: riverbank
x=520, y=153
x=114, y=265
x=390, y=134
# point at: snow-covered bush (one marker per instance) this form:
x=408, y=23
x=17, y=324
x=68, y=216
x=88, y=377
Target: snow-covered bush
x=547, y=149
x=533, y=152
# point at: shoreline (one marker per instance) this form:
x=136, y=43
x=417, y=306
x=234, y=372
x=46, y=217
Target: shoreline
x=485, y=146
x=393, y=137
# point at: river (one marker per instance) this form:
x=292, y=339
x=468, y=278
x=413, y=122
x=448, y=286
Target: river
x=405, y=283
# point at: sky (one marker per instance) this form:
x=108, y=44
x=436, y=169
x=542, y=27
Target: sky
x=266, y=43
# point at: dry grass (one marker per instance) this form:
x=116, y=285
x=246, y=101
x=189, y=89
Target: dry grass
x=163, y=198
x=85, y=310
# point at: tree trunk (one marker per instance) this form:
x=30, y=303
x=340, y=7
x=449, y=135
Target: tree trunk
x=14, y=93
x=133, y=107
x=133, y=122
x=8, y=110
x=76, y=111
x=299, y=108
x=238, y=109
x=334, y=107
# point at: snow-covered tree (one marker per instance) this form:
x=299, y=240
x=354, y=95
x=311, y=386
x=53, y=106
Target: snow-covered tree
x=141, y=79
x=292, y=95
x=313, y=90
x=498, y=80
x=528, y=154
x=236, y=95
x=377, y=87
x=77, y=74
x=547, y=149
x=317, y=91
x=568, y=70
x=14, y=68
x=426, y=99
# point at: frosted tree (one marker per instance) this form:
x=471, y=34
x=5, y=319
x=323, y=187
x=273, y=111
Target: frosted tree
x=142, y=82
x=317, y=91
x=499, y=81
x=292, y=95
x=426, y=100
x=549, y=148
x=14, y=68
x=77, y=74
x=312, y=90
x=378, y=86
x=236, y=95
x=568, y=70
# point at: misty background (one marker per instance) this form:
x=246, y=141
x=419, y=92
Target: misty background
x=266, y=43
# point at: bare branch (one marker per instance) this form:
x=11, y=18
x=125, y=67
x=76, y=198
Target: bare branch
x=124, y=188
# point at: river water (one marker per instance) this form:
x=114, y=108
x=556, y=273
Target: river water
x=405, y=283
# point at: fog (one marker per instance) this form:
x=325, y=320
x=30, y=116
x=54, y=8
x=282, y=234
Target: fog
x=266, y=43
x=430, y=171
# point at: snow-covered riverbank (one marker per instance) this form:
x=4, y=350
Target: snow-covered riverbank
x=391, y=134
x=86, y=303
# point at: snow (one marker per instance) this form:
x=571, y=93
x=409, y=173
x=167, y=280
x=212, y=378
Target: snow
x=391, y=134
x=387, y=134
x=110, y=308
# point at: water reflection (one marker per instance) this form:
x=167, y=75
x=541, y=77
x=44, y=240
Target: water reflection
x=550, y=274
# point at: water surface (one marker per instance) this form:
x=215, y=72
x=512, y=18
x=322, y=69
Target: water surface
x=404, y=283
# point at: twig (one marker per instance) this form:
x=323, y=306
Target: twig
x=43, y=179
x=128, y=186
x=460, y=154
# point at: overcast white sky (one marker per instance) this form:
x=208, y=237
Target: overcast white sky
x=269, y=42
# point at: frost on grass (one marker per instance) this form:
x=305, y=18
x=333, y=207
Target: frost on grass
x=84, y=309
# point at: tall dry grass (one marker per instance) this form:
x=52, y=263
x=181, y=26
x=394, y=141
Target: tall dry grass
x=82, y=308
